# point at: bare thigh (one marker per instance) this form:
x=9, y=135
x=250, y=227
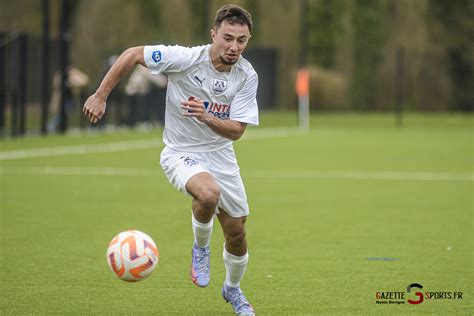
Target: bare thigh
x=206, y=192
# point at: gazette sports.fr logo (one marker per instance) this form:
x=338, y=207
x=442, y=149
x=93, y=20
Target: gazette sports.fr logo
x=415, y=295
x=418, y=294
x=221, y=111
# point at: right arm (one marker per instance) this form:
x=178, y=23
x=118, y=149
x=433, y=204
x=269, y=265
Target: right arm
x=94, y=108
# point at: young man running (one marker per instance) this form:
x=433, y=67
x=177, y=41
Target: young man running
x=211, y=97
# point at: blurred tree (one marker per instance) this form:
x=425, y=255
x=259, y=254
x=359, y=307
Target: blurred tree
x=178, y=23
x=367, y=51
x=201, y=20
x=325, y=29
x=107, y=27
x=26, y=16
x=151, y=14
x=278, y=29
x=352, y=44
x=453, y=27
x=253, y=7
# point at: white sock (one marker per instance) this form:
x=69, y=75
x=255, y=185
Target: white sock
x=235, y=268
x=202, y=232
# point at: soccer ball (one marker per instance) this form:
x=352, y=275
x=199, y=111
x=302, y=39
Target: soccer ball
x=132, y=255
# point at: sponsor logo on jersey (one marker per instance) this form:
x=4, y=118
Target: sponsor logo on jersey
x=221, y=111
x=156, y=56
x=219, y=86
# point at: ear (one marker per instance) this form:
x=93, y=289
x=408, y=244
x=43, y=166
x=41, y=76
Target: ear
x=213, y=35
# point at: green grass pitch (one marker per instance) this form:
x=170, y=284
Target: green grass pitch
x=322, y=204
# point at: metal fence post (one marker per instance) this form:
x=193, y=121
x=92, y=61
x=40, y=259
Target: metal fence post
x=45, y=82
x=64, y=41
x=22, y=91
x=3, y=84
x=399, y=85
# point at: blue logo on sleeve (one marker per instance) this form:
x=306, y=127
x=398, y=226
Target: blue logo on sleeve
x=156, y=56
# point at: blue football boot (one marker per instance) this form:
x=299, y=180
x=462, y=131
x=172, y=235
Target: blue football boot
x=236, y=298
x=200, y=266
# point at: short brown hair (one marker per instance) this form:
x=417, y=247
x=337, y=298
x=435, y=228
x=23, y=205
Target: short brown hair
x=232, y=14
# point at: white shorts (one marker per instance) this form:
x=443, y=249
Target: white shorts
x=179, y=167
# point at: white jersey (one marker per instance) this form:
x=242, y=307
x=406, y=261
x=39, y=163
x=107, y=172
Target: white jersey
x=191, y=74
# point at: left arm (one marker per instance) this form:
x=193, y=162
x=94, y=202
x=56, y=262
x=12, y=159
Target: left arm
x=230, y=129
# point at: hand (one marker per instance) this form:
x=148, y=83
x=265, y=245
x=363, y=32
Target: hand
x=94, y=108
x=195, y=108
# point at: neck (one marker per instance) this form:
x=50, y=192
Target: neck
x=217, y=61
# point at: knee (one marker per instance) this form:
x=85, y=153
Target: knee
x=209, y=197
x=236, y=239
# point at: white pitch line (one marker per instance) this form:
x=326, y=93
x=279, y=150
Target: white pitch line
x=365, y=175
x=122, y=146
x=80, y=149
x=80, y=171
x=278, y=175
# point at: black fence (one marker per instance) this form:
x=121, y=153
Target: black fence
x=13, y=85
x=24, y=82
x=265, y=61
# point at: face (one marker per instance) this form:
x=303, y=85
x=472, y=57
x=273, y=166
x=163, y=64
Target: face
x=230, y=41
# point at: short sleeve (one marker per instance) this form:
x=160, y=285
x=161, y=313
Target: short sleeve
x=244, y=106
x=167, y=59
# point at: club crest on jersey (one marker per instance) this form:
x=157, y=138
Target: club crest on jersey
x=188, y=161
x=156, y=56
x=219, y=86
